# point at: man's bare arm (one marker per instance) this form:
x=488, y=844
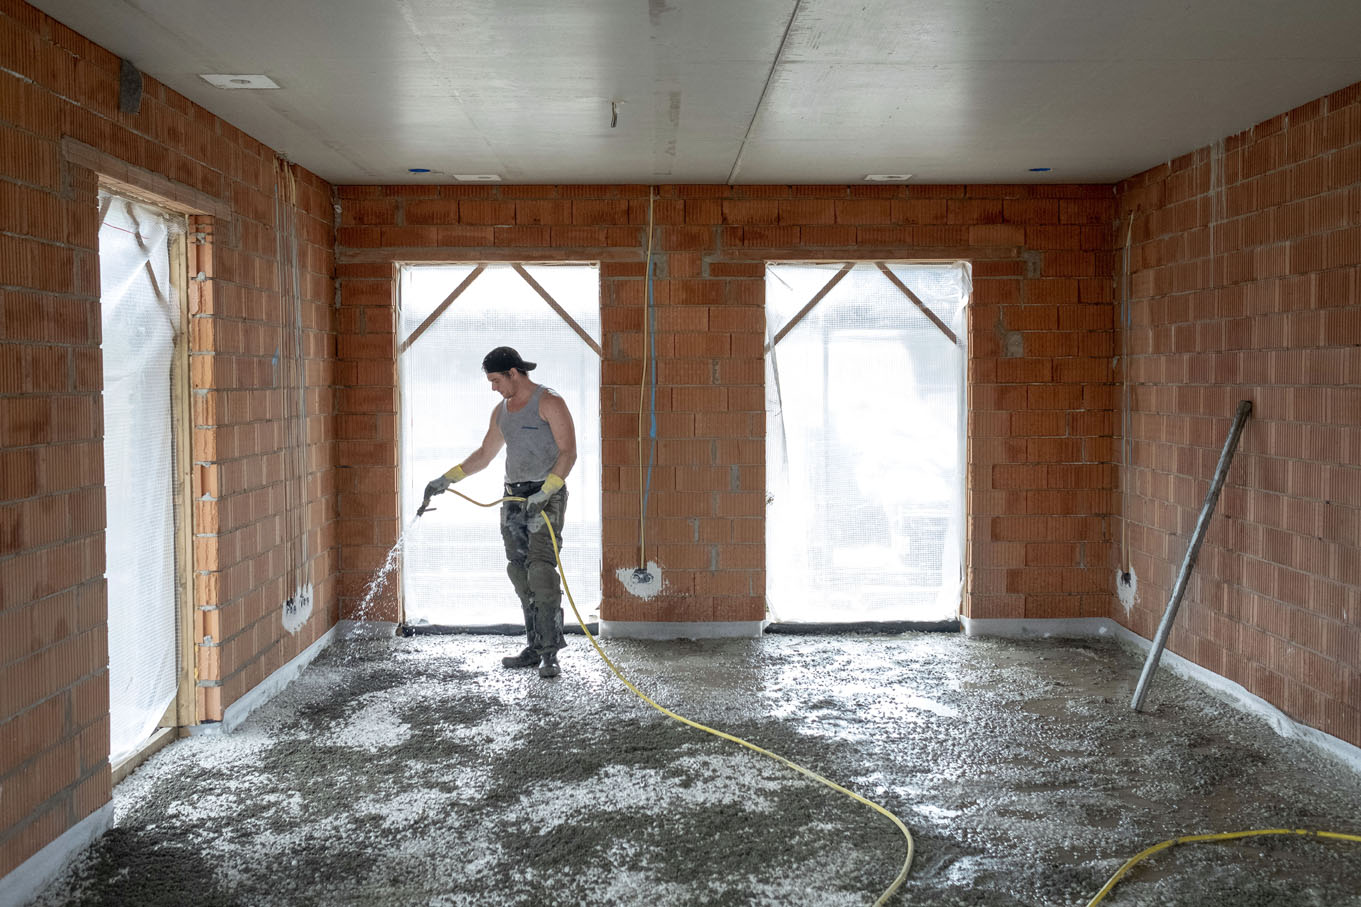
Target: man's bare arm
x=553, y=410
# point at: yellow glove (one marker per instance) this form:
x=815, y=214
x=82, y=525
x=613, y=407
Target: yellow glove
x=537, y=501
x=437, y=486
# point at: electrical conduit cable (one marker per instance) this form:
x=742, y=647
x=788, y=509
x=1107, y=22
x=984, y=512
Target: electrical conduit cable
x=649, y=357
x=1219, y=836
x=1125, y=327
x=911, y=846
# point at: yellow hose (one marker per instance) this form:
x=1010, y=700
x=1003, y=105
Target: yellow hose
x=907, y=861
x=1219, y=836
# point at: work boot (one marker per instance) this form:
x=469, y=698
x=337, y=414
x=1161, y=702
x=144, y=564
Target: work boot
x=549, y=666
x=526, y=659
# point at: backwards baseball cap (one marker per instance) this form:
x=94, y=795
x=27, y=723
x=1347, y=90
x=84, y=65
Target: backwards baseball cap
x=503, y=359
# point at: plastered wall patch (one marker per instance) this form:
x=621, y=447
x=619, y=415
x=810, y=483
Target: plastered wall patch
x=1127, y=588
x=643, y=582
x=298, y=609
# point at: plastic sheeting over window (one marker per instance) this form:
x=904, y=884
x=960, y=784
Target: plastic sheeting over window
x=141, y=318
x=453, y=562
x=865, y=441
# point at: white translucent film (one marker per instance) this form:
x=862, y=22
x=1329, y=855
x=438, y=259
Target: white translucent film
x=140, y=315
x=453, y=563
x=864, y=443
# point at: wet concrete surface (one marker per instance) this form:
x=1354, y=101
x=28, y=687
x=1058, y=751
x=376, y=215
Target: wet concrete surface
x=419, y=772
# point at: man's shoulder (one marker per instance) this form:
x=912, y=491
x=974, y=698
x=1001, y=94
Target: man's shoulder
x=551, y=399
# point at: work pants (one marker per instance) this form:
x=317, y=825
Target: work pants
x=533, y=570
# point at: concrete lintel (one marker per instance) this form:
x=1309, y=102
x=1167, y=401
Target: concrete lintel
x=681, y=629
x=30, y=877
x=1222, y=687
x=268, y=688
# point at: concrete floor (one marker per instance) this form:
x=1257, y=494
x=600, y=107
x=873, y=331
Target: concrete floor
x=419, y=772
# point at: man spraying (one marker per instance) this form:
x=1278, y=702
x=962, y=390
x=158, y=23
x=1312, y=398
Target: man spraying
x=533, y=424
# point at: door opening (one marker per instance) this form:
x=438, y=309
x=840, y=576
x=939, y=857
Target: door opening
x=142, y=262
x=453, y=561
x=865, y=381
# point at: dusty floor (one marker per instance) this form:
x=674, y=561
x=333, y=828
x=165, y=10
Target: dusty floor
x=419, y=772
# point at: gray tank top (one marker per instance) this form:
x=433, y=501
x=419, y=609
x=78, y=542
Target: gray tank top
x=530, y=448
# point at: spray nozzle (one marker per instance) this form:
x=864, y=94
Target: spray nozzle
x=425, y=505
x=641, y=575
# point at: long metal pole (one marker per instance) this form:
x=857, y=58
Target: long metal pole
x=1188, y=563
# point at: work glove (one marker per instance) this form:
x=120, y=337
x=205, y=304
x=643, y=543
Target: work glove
x=439, y=485
x=537, y=501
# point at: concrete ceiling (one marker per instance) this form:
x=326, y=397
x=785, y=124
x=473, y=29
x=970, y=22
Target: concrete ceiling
x=740, y=91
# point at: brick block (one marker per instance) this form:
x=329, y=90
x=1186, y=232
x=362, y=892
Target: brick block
x=581, y=237
x=864, y=211
x=920, y=211
x=696, y=292
x=755, y=269
x=435, y=211
x=1030, y=211
x=685, y=265
x=699, y=399
x=764, y=237
x=369, y=212
x=703, y=211
x=600, y=212
x=997, y=235
x=974, y=211
x=743, y=212
x=521, y=236
x=885, y=236
x=549, y=212
x=1086, y=211
x=397, y=237
x=829, y=235
x=685, y=238
x=486, y=212
x=687, y=318
x=464, y=235
x=805, y=211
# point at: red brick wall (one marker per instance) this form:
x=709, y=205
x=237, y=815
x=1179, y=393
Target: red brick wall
x=1041, y=340
x=1244, y=286
x=59, y=118
x=247, y=520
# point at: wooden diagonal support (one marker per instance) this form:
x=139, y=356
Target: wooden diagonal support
x=893, y=278
x=439, y=309
x=817, y=297
x=562, y=313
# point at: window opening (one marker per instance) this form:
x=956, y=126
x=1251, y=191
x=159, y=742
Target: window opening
x=453, y=562
x=142, y=321
x=865, y=386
